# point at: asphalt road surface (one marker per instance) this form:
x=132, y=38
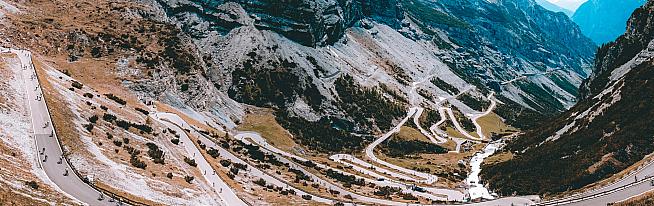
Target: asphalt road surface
x=48, y=149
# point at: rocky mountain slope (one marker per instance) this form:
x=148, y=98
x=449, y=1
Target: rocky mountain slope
x=290, y=56
x=606, y=132
x=604, y=20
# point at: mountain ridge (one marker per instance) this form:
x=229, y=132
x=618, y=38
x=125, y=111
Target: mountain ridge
x=605, y=20
x=601, y=135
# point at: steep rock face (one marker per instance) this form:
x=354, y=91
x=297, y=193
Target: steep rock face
x=310, y=23
x=605, y=20
x=603, y=134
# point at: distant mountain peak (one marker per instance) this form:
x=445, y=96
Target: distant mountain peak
x=604, y=20
x=555, y=8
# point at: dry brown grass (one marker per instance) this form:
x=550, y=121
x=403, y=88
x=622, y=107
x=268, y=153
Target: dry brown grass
x=497, y=158
x=646, y=199
x=410, y=133
x=492, y=123
x=106, y=187
x=62, y=117
x=263, y=122
x=203, y=126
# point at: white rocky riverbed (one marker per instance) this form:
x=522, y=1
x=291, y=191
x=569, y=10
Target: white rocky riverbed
x=476, y=189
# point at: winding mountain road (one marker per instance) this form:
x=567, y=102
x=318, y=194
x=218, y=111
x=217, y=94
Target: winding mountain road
x=226, y=194
x=49, y=150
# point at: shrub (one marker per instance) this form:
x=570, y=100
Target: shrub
x=77, y=85
x=169, y=175
x=88, y=127
x=108, y=117
x=175, y=141
x=32, y=184
x=190, y=161
x=116, y=99
x=188, y=179
x=136, y=162
x=213, y=152
x=241, y=166
x=306, y=197
x=118, y=143
x=225, y=163
x=260, y=182
x=234, y=170
x=88, y=95
x=93, y=119
x=126, y=140
x=202, y=146
x=155, y=153
x=142, y=111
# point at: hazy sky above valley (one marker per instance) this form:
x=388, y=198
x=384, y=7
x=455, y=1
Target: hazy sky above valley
x=568, y=4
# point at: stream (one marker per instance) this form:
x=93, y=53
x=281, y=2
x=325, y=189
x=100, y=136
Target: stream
x=477, y=190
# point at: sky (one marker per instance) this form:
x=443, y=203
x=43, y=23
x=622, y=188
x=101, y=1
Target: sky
x=568, y=4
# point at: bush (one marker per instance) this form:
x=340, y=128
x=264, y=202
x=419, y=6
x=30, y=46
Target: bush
x=225, y=163
x=306, y=197
x=213, y=152
x=118, y=143
x=241, y=166
x=77, y=85
x=202, y=146
x=261, y=182
x=234, y=170
x=190, y=161
x=408, y=196
x=116, y=99
x=169, y=175
x=155, y=153
x=188, y=179
x=93, y=119
x=32, y=184
x=136, y=162
x=88, y=95
x=126, y=140
x=88, y=127
x=142, y=111
x=175, y=141
x=108, y=117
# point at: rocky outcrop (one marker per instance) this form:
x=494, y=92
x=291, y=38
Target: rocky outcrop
x=606, y=132
x=310, y=23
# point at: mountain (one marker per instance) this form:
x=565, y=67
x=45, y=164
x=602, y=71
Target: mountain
x=255, y=46
x=604, y=20
x=553, y=7
x=143, y=99
x=601, y=135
